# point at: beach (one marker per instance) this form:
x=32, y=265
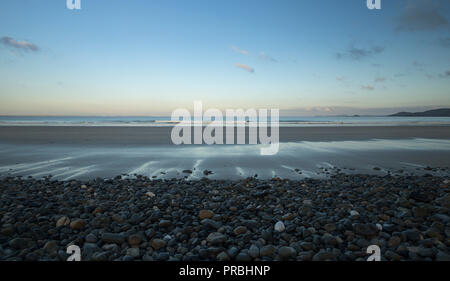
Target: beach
x=118, y=219
x=132, y=136
x=126, y=193
x=79, y=152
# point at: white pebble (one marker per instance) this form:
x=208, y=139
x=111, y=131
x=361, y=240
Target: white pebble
x=380, y=228
x=150, y=194
x=354, y=213
x=279, y=226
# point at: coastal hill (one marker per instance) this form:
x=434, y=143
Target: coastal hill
x=442, y=112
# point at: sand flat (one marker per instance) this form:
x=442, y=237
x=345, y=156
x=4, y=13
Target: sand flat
x=79, y=135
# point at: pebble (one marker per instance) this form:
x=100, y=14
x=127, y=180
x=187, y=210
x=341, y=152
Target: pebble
x=267, y=251
x=133, y=252
x=243, y=257
x=286, y=252
x=279, y=226
x=240, y=230
x=78, y=224
x=134, y=240
x=62, y=221
x=253, y=251
x=394, y=241
x=91, y=238
x=216, y=238
x=113, y=238
x=206, y=214
x=158, y=243
x=222, y=256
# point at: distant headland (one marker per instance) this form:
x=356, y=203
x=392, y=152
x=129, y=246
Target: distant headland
x=442, y=112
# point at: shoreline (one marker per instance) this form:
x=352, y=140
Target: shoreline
x=222, y=220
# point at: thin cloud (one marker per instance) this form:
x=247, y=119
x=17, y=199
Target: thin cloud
x=245, y=67
x=445, y=74
x=265, y=57
x=400, y=75
x=239, y=51
x=380, y=79
x=367, y=87
x=355, y=53
x=422, y=15
x=18, y=45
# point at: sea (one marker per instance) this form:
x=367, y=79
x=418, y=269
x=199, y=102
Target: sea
x=286, y=121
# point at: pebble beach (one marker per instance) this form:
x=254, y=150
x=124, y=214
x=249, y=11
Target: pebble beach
x=127, y=219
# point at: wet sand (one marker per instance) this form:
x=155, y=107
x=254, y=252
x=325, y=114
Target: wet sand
x=294, y=160
x=131, y=136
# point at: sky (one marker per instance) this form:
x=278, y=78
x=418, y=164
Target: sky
x=305, y=57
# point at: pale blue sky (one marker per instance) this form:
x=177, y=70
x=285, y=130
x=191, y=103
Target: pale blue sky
x=140, y=57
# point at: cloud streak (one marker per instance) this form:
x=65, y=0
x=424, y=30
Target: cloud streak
x=245, y=67
x=445, y=75
x=421, y=15
x=367, y=87
x=380, y=79
x=265, y=57
x=18, y=45
x=355, y=53
x=239, y=51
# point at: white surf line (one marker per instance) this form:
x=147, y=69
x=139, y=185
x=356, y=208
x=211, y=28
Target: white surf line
x=20, y=171
x=157, y=172
x=240, y=171
x=33, y=166
x=50, y=172
x=143, y=169
x=195, y=170
x=307, y=174
x=273, y=173
x=319, y=147
x=168, y=170
x=69, y=171
x=287, y=167
x=328, y=165
x=292, y=170
x=413, y=165
x=79, y=172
